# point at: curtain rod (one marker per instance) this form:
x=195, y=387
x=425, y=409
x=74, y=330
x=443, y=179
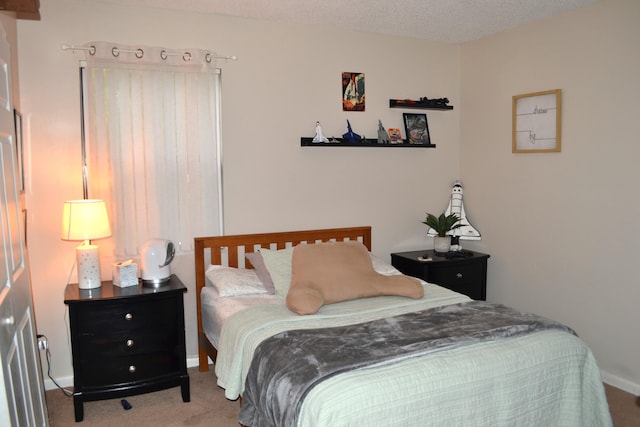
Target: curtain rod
x=115, y=51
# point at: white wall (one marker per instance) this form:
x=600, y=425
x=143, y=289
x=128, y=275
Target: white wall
x=286, y=78
x=562, y=227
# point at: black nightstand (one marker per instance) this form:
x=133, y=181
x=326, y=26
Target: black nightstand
x=464, y=275
x=126, y=341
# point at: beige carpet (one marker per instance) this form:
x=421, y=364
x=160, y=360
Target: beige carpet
x=624, y=407
x=208, y=407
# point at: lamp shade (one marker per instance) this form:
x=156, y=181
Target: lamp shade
x=85, y=220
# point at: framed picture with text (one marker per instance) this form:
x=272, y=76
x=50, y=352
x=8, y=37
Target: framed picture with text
x=536, y=122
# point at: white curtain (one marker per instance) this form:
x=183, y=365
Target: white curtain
x=152, y=142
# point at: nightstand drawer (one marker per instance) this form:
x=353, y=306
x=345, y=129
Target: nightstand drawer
x=462, y=278
x=116, y=316
x=459, y=275
x=97, y=347
x=124, y=370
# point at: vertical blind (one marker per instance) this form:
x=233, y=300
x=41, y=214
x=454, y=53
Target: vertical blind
x=152, y=142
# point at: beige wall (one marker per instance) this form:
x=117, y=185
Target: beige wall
x=562, y=227
x=286, y=78
x=540, y=214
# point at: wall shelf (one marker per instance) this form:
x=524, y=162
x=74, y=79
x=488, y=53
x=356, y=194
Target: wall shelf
x=307, y=142
x=421, y=105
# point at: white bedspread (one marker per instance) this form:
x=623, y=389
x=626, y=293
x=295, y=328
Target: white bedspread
x=544, y=379
x=244, y=331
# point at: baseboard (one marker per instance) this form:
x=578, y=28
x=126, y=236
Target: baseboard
x=621, y=383
x=613, y=380
x=67, y=382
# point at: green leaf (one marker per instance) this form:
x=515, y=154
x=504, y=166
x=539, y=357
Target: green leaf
x=443, y=223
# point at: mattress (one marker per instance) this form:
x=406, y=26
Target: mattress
x=216, y=310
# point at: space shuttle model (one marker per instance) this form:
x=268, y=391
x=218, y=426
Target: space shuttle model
x=319, y=134
x=456, y=207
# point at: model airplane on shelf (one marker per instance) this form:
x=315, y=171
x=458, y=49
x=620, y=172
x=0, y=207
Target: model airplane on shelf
x=434, y=101
x=424, y=102
x=351, y=137
x=466, y=231
x=383, y=137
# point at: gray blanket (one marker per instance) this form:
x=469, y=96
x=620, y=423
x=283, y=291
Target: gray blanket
x=288, y=365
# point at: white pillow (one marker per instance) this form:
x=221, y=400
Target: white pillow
x=233, y=282
x=382, y=267
x=278, y=263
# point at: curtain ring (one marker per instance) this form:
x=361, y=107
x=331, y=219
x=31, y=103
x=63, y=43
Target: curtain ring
x=163, y=55
x=139, y=53
x=207, y=57
x=115, y=52
x=186, y=56
x=92, y=50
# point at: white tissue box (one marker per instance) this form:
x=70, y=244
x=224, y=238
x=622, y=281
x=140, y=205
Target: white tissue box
x=125, y=274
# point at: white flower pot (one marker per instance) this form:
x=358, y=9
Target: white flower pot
x=442, y=244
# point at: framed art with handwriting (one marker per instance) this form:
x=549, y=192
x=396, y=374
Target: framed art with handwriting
x=536, y=122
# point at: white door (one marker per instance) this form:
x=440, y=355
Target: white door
x=22, y=401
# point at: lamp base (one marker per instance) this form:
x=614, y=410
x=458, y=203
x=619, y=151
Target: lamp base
x=88, y=258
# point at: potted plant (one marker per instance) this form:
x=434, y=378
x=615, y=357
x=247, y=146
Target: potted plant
x=442, y=225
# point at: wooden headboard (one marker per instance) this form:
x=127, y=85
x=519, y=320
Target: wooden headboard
x=230, y=250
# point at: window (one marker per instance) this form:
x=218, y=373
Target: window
x=152, y=149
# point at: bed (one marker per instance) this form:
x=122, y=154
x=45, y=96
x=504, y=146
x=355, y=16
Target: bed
x=542, y=377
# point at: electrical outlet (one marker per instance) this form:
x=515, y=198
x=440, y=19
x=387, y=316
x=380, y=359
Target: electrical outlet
x=43, y=344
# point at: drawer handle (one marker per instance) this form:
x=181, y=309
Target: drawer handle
x=459, y=275
x=128, y=316
x=132, y=369
x=129, y=343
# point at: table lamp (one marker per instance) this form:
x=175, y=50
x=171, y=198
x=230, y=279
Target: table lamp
x=86, y=220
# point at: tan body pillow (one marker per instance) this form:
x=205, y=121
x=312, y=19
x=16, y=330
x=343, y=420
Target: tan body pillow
x=325, y=273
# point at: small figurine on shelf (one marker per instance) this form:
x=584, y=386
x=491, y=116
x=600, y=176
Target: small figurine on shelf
x=319, y=135
x=395, y=136
x=423, y=102
x=442, y=102
x=351, y=137
x=383, y=138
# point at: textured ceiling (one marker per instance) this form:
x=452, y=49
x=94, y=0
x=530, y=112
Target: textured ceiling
x=449, y=21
